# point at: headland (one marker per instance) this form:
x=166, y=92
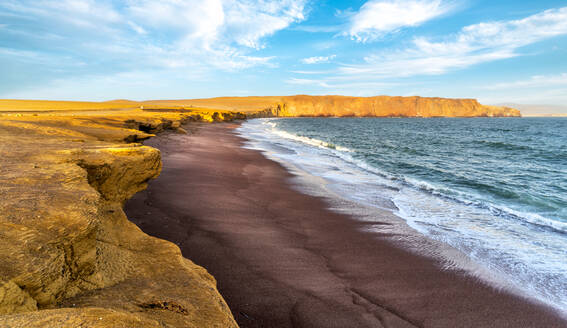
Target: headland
x=71, y=257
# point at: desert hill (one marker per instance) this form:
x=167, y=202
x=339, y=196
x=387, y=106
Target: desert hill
x=289, y=106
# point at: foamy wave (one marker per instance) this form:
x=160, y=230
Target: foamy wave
x=423, y=186
x=499, y=210
x=514, y=242
x=307, y=140
x=461, y=197
x=533, y=218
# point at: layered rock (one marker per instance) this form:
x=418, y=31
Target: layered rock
x=381, y=106
x=68, y=254
x=384, y=106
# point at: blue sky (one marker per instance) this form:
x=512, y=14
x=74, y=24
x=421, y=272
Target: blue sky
x=495, y=51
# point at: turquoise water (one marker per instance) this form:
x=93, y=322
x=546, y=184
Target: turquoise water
x=494, y=188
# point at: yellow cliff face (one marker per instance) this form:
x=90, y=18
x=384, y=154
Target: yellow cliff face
x=69, y=257
x=384, y=106
x=380, y=106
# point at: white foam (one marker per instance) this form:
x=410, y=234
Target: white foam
x=306, y=140
x=500, y=238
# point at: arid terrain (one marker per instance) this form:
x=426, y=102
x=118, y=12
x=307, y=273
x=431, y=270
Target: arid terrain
x=300, y=105
x=380, y=106
x=70, y=257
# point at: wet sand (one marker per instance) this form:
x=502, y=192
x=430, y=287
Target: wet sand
x=282, y=259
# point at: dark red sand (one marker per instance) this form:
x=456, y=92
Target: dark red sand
x=282, y=259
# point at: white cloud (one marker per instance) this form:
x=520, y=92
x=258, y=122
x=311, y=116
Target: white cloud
x=221, y=33
x=537, y=89
x=474, y=44
x=137, y=28
x=536, y=81
x=557, y=96
x=188, y=23
x=307, y=82
x=208, y=23
x=250, y=21
x=379, y=17
x=343, y=86
x=318, y=59
x=147, y=84
x=168, y=33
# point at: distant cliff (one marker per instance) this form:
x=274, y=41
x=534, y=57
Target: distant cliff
x=384, y=106
x=380, y=106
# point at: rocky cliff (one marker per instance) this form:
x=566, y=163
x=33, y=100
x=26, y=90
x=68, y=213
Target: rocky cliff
x=302, y=105
x=386, y=106
x=69, y=257
x=381, y=106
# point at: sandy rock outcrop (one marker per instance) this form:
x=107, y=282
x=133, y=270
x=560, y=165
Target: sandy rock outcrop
x=69, y=257
x=384, y=106
x=380, y=106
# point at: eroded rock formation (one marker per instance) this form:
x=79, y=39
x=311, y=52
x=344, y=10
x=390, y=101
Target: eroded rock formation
x=387, y=106
x=69, y=257
x=380, y=106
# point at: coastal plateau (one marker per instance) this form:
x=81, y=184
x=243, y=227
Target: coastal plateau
x=341, y=106
x=69, y=257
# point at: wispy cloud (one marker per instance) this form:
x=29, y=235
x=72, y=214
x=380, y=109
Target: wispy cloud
x=538, y=89
x=137, y=28
x=536, y=81
x=219, y=33
x=319, y=28
x=318, y=59
x=206, y=23
x=474, y=44
x=556, y=96
x=366, y=86
x=379, y=17
x=312, y=82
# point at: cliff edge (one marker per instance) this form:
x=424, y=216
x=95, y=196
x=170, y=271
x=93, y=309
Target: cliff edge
x=341, y=106
x=384, y=106
x=69, y=257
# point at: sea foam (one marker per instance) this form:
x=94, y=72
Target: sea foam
x=526, y=247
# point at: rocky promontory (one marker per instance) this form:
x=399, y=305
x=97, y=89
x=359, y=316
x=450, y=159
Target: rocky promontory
x=384, y=106
x=69, y=257
x=343, y=106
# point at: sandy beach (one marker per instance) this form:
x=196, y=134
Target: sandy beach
x=283, y=259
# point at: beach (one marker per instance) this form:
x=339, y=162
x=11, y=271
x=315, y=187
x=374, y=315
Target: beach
x=282, y=258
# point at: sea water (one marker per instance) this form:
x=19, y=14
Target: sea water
x=493, y=188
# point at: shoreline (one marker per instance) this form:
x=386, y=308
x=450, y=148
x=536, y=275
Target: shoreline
x=282, y=258
x=325, y=170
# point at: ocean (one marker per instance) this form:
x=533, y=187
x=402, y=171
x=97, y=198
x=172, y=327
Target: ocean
x=493, y=188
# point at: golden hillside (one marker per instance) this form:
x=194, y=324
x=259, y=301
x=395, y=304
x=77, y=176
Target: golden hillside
x=379, y=106
x=289, y=106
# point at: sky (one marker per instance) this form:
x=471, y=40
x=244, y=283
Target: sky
x=496, y=51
